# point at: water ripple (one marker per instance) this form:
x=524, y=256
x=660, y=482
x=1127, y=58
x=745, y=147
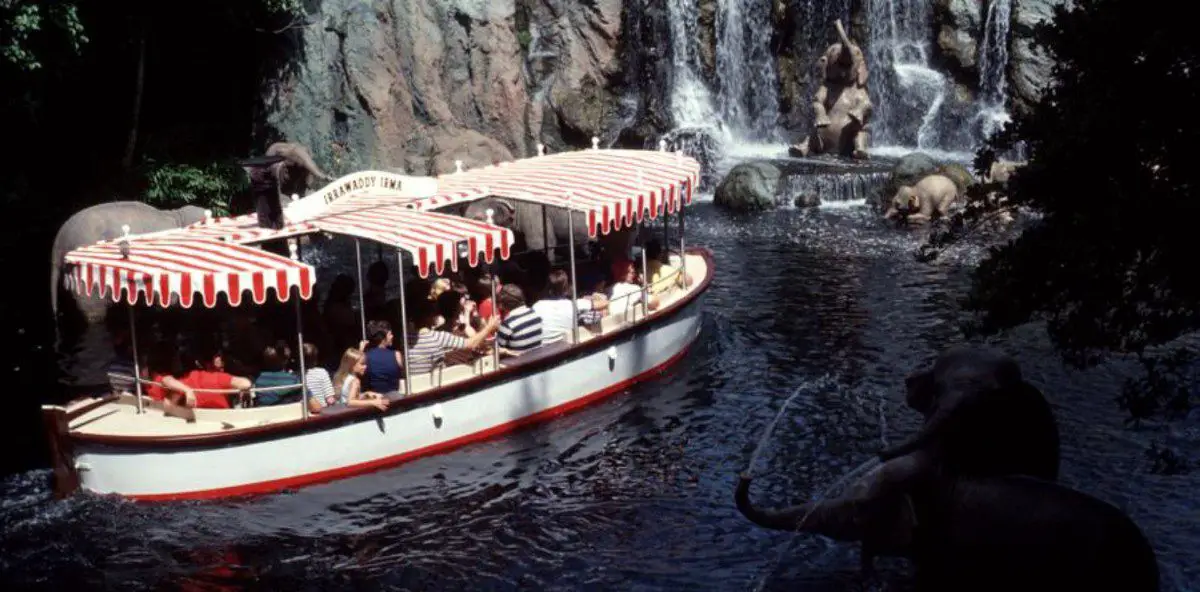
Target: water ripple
x=636, y=492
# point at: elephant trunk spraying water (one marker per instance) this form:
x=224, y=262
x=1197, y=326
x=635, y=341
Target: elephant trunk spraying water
x=971, y=498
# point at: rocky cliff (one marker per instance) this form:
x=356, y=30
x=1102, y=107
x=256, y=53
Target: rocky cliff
x=414, y=85
x=417, y=84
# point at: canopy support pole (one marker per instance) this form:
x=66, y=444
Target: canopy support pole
x=574, y=287
x=682, y=245
x=645, y=285
x=545, y=233
x=495, y=303
x=137, y=369
x=404, y=324
x=362, y=307
x=294, y=248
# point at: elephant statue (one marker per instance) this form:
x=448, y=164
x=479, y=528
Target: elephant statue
x=525, y=220
x=929, y=198
x=841, y=105
x=1010, y=532
x=286, y=170
x=103, y=222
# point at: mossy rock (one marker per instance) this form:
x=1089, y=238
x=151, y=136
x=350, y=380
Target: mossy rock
x=961, y=175
x=748, y=187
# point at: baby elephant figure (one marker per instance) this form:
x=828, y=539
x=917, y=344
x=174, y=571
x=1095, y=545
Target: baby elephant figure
x=930, y=198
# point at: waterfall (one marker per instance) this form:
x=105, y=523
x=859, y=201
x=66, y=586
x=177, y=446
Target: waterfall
x=993, y=66
x=748, y=90
x=908, y=93
x=691, y=101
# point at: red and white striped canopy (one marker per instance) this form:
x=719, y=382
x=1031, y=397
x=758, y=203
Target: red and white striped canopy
x=163, y=270
x=614, y=188
x=431, y=238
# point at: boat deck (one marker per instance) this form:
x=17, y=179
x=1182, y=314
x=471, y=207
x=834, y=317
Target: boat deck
x=119, y=417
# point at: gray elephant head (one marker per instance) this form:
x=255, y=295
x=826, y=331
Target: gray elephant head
x=503, y=212
x=843, y=63
x=981, y=417
x=297, y=168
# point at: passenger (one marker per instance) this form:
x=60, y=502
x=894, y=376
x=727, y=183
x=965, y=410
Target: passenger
x=429, y=346
x=555, y=308
x=340, y=319
x=246, y=344
x=375, y=296
x=384, y=364
x=207, y=373
x=347, y=384
x=316, y=380
x=483, y=295
x=663, y=275
x=275, y=374
x=627, y=289
x=162, y=367
x=437, y=288
x=521, y=330
x=455, y=314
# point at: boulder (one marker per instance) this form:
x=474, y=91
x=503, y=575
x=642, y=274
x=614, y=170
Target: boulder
x=1030, y=68
x=961, y=175
x=807, y=200
x=959, y=26
x=749, y=186
x=912, y=167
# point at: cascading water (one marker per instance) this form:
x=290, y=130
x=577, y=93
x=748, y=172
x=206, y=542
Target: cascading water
x=993, y=66
x=691, y=101
x=907, y=93
x=747, y=83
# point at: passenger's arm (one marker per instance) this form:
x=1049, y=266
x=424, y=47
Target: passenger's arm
x=240, y=383
x=177, y=385
x=380, y=403
x=477, y=339
x=355, y=385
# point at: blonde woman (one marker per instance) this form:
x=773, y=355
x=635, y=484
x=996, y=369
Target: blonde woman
x=347, y=382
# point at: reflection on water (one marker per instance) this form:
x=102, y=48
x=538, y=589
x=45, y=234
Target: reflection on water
x=637, y=492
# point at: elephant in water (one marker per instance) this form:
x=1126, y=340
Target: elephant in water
x=103, y=222
x=287, y=171
x=930, y=198
x=841, y=105
x=999, y=533
x=971, y=498
x=981, y=420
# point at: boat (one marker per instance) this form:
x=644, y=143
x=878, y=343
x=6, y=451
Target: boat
x=128, y=445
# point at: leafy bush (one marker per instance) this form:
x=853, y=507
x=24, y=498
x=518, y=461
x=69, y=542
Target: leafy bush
x=210, y=186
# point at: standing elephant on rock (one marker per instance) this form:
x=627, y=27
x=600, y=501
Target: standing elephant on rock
x=930, y=198
x=841, y=106
x=287, y=170
x=104, y=222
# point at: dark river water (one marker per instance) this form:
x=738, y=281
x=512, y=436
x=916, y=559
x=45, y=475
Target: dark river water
x=636, y=492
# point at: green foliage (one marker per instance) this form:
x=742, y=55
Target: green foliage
x=1109, y=259
x=524, y=38
x=25, y=24
x=209, y=186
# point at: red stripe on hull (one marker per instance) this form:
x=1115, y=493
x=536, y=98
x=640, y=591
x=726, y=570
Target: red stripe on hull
x=391, y=461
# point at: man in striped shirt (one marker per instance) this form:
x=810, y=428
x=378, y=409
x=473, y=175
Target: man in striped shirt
x=521, y=329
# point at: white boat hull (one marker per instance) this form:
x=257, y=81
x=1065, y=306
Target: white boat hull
x=371, y=442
